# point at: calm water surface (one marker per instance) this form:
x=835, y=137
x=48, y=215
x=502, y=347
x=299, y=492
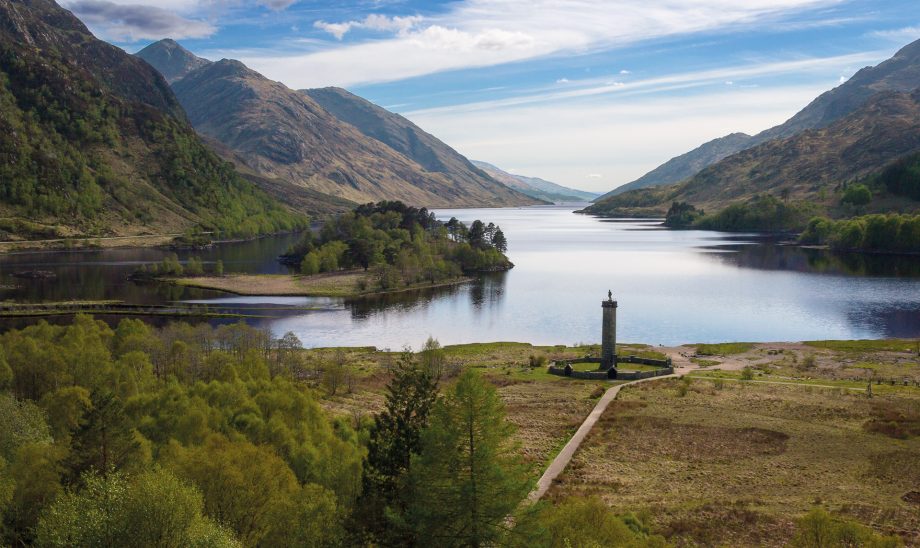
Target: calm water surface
x=672, y=286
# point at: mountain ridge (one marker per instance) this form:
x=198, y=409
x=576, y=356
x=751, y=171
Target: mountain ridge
x=284, y=134
x=535, y=186
x=814, y=165
x=901, y=72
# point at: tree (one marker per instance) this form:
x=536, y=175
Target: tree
x=105, y=440
x=857, y=195
x=468, y=476
x=499, y=241
x=219, y=268
x=245, y=486
x=394, y=439
x=155, y=509
x=432, y=357
x=477, y=234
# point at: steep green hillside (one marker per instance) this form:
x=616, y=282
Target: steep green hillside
x=93, y=141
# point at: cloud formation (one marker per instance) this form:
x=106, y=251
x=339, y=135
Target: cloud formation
x=137, y=22
x=478, y=33
x=375, y=22
x=598, y=144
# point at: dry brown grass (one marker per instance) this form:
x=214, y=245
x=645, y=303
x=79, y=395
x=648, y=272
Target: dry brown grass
x=736, y=465
x=331, y=284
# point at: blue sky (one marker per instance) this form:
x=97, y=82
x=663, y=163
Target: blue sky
x=587, y=93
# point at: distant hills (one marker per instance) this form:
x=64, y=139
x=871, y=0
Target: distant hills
x=96, y=143
x=846, y=136
x=899, y=73
x=540, y=189
x=327, y=141
x=679, y=168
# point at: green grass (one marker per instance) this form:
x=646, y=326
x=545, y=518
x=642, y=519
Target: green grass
x=887, y=345
x=704, y=363
x=723, y=349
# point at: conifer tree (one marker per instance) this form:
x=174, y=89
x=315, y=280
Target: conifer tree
x=394, y=439
x=468, y=477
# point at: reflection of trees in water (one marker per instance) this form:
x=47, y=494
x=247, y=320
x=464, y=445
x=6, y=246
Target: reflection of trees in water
x=886, y=322
x=484, y=292
x=820, y=261
x=488, y=291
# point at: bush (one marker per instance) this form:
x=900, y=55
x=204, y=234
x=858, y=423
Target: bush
x=857, y=195
x=747, y=373
x=818, y=529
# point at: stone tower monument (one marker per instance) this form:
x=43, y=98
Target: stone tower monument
x=609, y=333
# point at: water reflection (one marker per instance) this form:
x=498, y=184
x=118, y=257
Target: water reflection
x=673, y=287
x=771, y=256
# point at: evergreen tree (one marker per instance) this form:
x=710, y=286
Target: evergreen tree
x=499, y=242
x=468, y=477
x=395, y=438
x=105, y=440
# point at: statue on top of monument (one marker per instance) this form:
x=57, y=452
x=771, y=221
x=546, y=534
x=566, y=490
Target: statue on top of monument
x=609, y=295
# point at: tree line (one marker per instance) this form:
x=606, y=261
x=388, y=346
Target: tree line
x=878, y=233
x=763, y=212
x=403, y=245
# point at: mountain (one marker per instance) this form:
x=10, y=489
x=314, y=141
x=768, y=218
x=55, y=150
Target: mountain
x=540, y=189
x=171, y=59
x=686, y=165
x=899, y=73
x=813, y=166
x=283, y=134
x=100, y=144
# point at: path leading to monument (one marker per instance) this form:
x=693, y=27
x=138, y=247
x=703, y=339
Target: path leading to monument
x=565, y=456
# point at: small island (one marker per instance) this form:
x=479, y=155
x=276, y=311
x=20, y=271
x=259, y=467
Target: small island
x=377, y=248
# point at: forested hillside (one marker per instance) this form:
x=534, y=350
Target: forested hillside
x=94, y=142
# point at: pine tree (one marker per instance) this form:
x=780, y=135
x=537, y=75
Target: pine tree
x=395, y=438
x=105, y=440
x=499, y=241
x=468, y=476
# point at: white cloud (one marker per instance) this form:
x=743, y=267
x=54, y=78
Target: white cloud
x=376, y=22
x=729, y=83
x=594, y=176
x=686, y=80
x=624, y=71
x=901, y=35
x=562, y=81
x=618, y=139
x=477, y=33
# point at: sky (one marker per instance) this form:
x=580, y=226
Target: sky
x=590, y=94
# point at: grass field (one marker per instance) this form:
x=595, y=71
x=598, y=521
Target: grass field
x=723, y=349
x=734, y=463
x=545, y=409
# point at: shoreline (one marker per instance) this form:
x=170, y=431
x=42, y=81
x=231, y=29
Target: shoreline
x=139, y=241
x=344, y=284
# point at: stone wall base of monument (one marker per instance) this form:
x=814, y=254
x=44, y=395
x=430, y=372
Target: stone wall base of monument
x=608, y=375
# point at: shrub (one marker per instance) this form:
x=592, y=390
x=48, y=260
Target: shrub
x=747, y=373
x=857, y=195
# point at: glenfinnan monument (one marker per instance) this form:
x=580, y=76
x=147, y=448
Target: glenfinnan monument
x=609, y=333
